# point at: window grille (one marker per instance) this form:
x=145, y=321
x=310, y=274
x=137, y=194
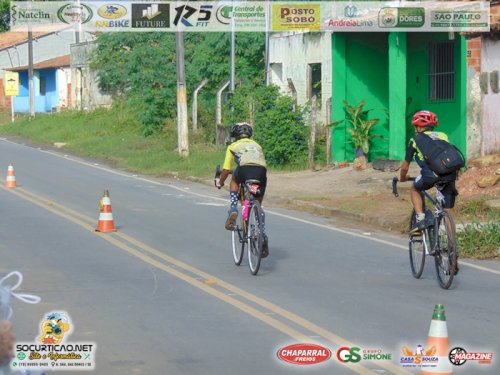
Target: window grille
x=441, y=72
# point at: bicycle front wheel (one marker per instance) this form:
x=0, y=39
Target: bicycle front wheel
x=416, y=244
x=255, y=237
x=446, y=252
x=237, y=238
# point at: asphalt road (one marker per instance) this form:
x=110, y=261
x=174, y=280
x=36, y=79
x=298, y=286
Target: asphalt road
x=163, y=296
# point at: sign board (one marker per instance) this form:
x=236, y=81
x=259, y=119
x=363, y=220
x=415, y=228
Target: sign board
x=11, y=83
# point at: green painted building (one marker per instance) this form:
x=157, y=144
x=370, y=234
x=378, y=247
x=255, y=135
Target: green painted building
x=397, y=74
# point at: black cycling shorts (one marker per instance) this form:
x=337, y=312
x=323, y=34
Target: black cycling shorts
x=252, y=172
x=425, y=182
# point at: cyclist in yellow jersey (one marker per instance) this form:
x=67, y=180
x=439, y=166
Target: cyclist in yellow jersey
x=250, y=164
x=426, y=121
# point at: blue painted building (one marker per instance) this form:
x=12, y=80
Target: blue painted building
x=50, y=80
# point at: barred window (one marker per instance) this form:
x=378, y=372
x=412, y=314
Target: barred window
x=442, y=72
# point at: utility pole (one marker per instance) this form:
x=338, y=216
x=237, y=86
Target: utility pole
x=182, y=123
x=231, y=57
x=31, y=83
x=266, y=10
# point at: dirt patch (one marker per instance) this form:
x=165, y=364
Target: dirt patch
x=364, y=196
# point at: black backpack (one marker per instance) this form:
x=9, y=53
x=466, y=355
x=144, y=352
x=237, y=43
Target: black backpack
x=442, y=157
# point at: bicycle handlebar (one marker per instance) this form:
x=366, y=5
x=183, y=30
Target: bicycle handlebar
x=395, y=181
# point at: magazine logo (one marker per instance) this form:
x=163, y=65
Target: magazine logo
x=112, y=11
x=304, y=354
x=72, y=13
x=151, y=15
x=458, y=356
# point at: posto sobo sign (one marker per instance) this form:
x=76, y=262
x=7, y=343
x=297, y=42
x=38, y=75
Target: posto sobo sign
x=296, y=17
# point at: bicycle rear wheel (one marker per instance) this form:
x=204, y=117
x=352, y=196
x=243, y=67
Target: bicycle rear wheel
x=446, y=252
x=416, y=244
x=237, y=238
x=255, y=237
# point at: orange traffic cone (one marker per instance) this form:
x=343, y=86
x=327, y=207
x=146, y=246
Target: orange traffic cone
x=10, y=182
x=438, y=338
x=105, y=223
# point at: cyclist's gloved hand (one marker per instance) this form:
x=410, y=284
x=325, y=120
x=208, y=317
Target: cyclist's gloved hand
x=217, y=183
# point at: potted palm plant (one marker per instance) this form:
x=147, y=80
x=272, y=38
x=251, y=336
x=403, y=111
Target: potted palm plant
x=360, y=130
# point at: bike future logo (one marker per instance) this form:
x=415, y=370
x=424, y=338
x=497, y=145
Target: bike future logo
x=304, y=354
x=113, y=15
x=73, y=13
x=151, y=16
x=458, y=356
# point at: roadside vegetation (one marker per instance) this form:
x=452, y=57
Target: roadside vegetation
x=480, y=236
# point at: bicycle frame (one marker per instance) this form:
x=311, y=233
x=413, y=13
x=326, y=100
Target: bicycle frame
x=246, y=195
x=437, y=202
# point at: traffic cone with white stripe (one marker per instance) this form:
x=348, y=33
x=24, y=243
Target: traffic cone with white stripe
x=438, y=338
x=105, y=223
x=10, y=181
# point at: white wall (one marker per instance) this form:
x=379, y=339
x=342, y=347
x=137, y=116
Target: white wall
x=490, y=61
x=63, y=78
x=295, y=50
x=44, y=48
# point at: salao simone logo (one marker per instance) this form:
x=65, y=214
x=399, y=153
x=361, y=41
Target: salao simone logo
x=51, y=351
x=304, y=354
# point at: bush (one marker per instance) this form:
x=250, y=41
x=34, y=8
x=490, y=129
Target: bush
x=279, y=128
x=281, y=132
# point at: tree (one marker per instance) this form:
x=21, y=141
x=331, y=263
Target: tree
x=141, y=68
x=4, y=15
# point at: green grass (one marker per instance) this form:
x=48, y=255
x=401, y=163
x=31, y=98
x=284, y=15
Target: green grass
x=479, y=240
x=114, y=136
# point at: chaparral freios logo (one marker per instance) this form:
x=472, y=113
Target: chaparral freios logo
x=304, y=354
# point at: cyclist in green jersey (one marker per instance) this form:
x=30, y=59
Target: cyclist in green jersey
x=250, y=164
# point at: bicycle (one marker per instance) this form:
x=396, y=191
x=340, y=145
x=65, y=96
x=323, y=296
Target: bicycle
x=438, y=239
x=248, y=230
